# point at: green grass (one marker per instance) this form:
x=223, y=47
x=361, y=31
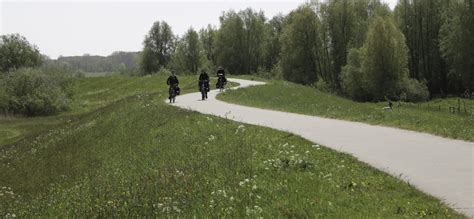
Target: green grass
x=125, y=153
x=431, y=117
x=89, y=94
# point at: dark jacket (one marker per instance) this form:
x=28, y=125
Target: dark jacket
x=172, y=81
x=220, y=72
x=203, y=77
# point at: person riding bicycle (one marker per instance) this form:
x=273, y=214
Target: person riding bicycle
x=204, y=80
x=221, y=80
x=173, y=82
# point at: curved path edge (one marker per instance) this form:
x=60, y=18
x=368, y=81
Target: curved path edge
x=441, y=167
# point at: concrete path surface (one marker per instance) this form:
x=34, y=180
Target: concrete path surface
x=438, y=166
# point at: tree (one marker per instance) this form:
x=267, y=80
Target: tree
x=303, y=58
x=380, y=68
x=420, y=22
x=352, y=77
x=457, y=44
x=272, y=47
x=346, y=23
x=189, y=54
x=239, y=41
x=193, y=50
x=208, y=37
x=158, y=46
x=17, y=52
x=385, y=62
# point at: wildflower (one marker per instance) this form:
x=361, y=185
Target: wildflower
x=211, y=138
x=254, y=187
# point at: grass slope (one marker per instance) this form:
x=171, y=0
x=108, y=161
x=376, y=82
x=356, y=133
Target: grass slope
x=141, y=157
x=90, y=94
x=426, y=117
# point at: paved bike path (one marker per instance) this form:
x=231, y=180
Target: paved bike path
x=438, y=166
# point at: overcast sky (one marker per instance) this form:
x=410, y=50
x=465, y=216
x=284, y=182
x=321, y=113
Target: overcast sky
x=100, y=27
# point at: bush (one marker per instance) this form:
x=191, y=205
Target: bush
x=414, y=91
x=3, y=96
x=164, y=71
x=35, y=92
x=352, y=77
x=17, y=52
x=323, y=86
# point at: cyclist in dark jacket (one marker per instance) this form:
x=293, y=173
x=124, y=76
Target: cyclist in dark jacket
x=173, y=82
x=221, y=80
x=204, y=80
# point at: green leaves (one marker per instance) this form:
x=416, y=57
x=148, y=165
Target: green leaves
x=17, y=52
x=158, y=46
x=302, y=57
x=189, y=54
x=33, y=92
x=240, y=40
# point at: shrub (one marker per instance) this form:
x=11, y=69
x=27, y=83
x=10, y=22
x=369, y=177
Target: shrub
x=4, y=98
x=352, y=78
x=35, y=92
x=164, y=71
x=414, y=91
x=17, y=52
x=322, y=85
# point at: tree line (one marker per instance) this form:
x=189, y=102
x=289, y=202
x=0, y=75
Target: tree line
x=357, y=48
x=116, y=62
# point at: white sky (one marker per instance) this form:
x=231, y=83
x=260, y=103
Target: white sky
x=100, y=27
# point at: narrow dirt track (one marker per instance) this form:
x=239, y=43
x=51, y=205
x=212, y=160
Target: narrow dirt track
x=438, y=166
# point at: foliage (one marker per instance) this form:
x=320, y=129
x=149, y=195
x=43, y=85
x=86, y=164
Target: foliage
x=379, y=69
x=272, y=46
x=116, y=62
x=346, y=24
x=158, y=46
x=207, y=37
x=353, y=82
x=34, y=92
x=302, y=57
x=420, y=21
x=189, y=54
x=457, y=44
x=239, y=41
x=414, y=91
x=17, y=52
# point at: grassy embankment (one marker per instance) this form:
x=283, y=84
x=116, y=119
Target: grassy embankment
x=431, y=117
x=114, y=155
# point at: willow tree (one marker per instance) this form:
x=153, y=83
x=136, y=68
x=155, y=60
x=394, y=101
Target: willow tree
x=240, y=40
x=158, y=46
x=457, y=44
x=380, y=68
x=303, y=58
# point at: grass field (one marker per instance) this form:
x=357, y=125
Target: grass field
x=122, y=152
x=90, y=94
x=431, y=117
